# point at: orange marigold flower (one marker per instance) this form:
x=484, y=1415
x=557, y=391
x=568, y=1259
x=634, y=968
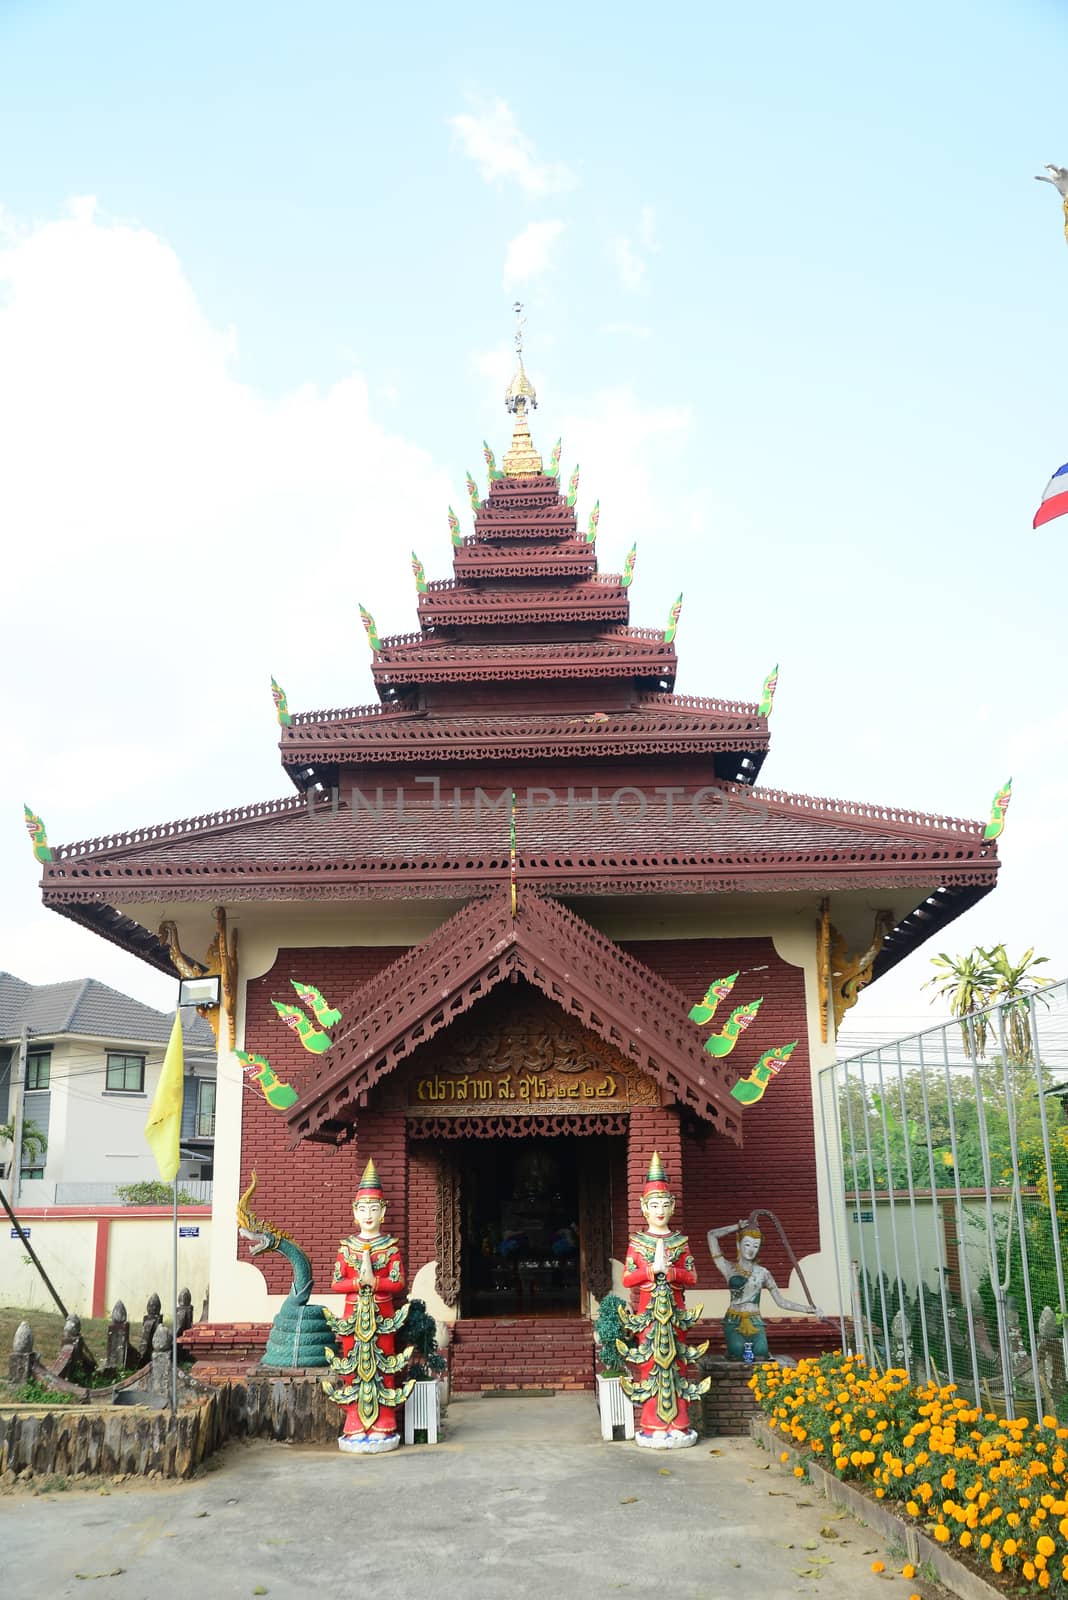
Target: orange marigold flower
x=941, y=1533
x=908, y=1570
x=1046, y=1546
x=1009, y=1547
x=799, y=1472
x=878, y=1566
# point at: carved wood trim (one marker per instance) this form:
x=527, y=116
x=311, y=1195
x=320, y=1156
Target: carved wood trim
x=447, y=1236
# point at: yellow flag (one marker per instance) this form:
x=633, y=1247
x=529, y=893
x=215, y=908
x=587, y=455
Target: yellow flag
x=165, y=1119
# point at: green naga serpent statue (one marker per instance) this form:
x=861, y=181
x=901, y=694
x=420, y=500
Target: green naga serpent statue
x=300, y=1335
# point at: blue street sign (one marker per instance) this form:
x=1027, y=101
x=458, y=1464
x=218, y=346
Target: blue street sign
x=25, y=1234
x=189, y=1233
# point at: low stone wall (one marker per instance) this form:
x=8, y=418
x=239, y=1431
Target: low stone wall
x=728, y=1405
x=110, y=1440
x=285, y=1403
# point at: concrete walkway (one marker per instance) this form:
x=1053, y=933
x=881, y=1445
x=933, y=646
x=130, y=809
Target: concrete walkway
x=520, y=1501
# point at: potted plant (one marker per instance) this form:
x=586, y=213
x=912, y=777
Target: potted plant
x=422, y=1409
x=617, y=1413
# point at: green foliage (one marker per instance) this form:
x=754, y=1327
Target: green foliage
x=974, y=982
x=606, y=1330
x=1002, y=1093
x=33, y=1392
x=152, y=1192
x=421, y=1331
x=34, y=1139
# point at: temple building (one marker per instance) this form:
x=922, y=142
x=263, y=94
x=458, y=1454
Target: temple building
x=520, y=923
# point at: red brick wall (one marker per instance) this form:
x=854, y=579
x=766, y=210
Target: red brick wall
x=776, y=1167
x=307, y=1191
x=422, y=1206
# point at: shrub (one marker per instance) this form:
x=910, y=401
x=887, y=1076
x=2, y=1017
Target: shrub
x=606, y=1330
x=152, y=1192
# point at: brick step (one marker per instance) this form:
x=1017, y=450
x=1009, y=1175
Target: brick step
x=521, y=1352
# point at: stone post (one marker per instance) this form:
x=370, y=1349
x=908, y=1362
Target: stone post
x=117, y=1355
x=183, y=1320
x=162, y=1356
x=149, y=1323
x=74, y=1361
x=20, y=1362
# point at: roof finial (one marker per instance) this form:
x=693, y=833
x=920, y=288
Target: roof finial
x=521, y=460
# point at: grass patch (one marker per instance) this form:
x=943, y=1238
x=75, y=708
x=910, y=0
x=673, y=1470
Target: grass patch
x=47, y=1332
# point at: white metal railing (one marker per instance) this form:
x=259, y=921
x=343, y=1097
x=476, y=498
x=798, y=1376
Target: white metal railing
x=947, y=1159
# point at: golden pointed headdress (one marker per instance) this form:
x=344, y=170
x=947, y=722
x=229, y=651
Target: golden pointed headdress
x=656, y=1178
x=370, y=1188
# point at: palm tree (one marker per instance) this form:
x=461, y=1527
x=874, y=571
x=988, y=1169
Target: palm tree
x=1013, y=985
x=966, y=982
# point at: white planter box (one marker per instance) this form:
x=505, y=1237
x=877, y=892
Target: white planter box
x=616, y=1410
x=421, y=1410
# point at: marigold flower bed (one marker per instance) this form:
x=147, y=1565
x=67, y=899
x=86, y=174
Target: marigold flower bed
x=974, y=1481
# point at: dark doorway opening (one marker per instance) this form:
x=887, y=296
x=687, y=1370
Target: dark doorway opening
x=521, y=1228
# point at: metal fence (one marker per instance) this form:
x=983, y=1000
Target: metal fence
x=947, y=1158
x=107, y=1194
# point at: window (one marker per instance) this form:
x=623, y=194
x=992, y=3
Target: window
x=38, y=1069
x=126, y=1073
x=205, y=1108
x=31, y=1172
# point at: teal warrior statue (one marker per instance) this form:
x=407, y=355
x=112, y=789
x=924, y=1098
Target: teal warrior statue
x=743, y=1325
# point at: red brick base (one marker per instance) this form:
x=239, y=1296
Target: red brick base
x=223, y=1350
x=521, y=1353
x=729, y=1403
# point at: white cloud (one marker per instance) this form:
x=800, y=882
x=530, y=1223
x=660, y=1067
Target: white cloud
x=630, y=263
x=172, y=539
x=530, y=252
x=503, y=153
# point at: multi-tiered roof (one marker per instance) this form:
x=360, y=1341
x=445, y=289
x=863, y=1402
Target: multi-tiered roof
x=526, y=675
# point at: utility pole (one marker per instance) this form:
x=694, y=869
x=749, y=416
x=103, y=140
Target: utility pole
x=18, y=1082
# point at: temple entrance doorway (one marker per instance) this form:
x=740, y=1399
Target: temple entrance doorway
x=521, y=1229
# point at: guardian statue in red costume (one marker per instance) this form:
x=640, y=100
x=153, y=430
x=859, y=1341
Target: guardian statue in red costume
x=659, y=1265
x=370, y=1274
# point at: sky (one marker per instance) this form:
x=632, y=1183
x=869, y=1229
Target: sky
x=793, y=301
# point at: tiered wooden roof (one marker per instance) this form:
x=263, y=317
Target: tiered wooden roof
x=526, y=674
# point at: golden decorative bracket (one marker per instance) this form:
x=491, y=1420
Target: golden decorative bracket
x=220, y=961
x=847, y=974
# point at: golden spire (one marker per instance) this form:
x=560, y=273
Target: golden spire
x=521, y=460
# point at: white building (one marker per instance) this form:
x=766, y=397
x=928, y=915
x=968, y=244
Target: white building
x=84, y=1060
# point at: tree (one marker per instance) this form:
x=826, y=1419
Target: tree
x=34, y=1140
x=974, y=982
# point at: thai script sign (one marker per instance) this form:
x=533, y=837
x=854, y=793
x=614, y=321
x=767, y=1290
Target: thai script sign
x=593, y=1090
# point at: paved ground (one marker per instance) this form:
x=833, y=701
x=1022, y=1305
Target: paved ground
x=520, y=1501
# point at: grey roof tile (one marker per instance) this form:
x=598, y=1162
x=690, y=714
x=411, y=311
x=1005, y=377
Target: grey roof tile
x=86, y=1006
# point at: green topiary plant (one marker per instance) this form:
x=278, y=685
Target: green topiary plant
x=421, y=1331
x=606, y=1330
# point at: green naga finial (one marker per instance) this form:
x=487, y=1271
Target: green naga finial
x=705, y=1009
x=38, y=837
x=572, y=488
x=628, y=566
x=281, y=705
x=491, y=463
x=767, y=694
x=673, y=622
x=313, y=1039
x=553, y=469
x=420, y=574
x=258, y=1070
x=750, y=1089
x=325, y=1015
x=372, y=632
x=595, y=517
x=473, y=495
x=722, y=1043
x=454, y=528
x=996, y=826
